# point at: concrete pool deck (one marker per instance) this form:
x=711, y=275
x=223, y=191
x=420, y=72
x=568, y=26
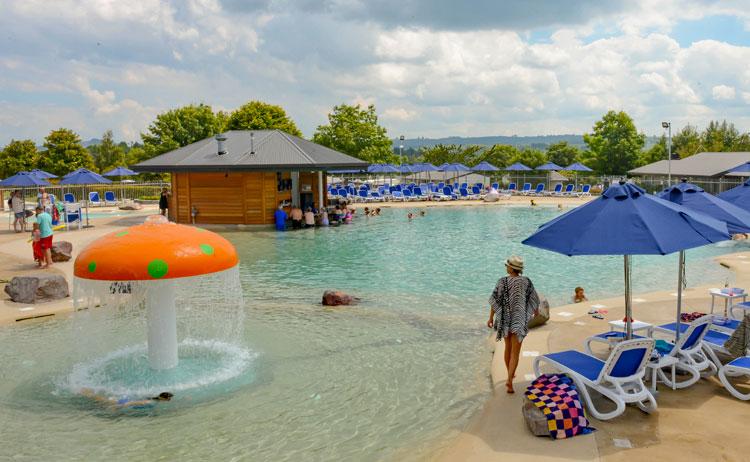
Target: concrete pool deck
x=703, y=422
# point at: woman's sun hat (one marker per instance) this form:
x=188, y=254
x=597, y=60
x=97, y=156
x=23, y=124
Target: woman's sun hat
x=515, y=262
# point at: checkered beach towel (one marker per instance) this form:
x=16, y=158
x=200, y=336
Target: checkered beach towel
x=556, y=396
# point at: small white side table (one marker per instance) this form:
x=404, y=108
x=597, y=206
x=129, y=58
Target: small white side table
x=636, y=325
x=728, y=299
x=654, y=366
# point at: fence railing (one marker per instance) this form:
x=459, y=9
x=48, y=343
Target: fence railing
x=122, y=191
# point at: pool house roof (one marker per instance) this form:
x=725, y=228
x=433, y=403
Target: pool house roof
x=251, y=150
x=705, y=164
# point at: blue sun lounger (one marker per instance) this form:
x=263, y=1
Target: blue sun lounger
x=690, y=355
x=619, y=378
x=526, y=189
x=735, y=368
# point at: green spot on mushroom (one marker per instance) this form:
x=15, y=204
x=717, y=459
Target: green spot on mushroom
x=92, y=266
x=122, y=233
x=200, y=230
x=157, y=268
x=207, y=249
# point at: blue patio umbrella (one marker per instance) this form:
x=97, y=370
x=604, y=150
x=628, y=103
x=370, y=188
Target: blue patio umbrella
x=626, y=221
x=577, y=167
x=695, y=198
x=742, y=168
x=23, y=180
x=426, y=167
x=455, y=167
x=739, y=195
x=120, y=171
x=549, y=166
x=42, y=174
x=484, y=166
x=517, y=167
x=84, y=176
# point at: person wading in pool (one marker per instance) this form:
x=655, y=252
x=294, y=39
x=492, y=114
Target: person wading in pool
x=124, y=403
x=513, y=304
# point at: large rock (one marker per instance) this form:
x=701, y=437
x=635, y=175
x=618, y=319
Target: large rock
x=131, y=206
x=535, y=419
x=61, y=251
x=336, y=298
x=542, y=316
x=37, y=288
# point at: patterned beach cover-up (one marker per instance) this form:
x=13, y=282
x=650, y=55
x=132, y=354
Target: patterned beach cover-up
x=557, y=397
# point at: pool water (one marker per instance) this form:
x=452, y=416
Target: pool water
x=390, y=379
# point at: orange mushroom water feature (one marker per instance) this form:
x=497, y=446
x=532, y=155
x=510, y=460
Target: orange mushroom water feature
x=155, y=253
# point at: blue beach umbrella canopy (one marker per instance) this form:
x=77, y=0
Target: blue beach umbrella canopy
x=484, y=166
x=517, y=167
x=120, y=171
x=406, y=168
x=695, y=198
x=427, y=167
x=577, y=167
x=456, y=167
x=42, y=174
x=84, y=176
x=626, y=221
x=550, y=166
x=23, y=180
x=743, y=168
x=739, y=195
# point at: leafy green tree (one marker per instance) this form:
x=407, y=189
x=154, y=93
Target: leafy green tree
x=107, y=154
x=614, y=145
x=686, y=142
x=655, y=153
x=64, y=153
x=499, y=155
x=530, y=157
x=355, y=131
x=257, y=115
x=719, y=136
x=180, y=127
x=16, y=156
x=562, y=153
x=450, y=153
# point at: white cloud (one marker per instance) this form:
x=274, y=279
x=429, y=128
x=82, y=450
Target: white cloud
x=723, y=92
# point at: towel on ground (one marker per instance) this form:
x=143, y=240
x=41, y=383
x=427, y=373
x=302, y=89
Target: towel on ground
x=739, y=342
x=557, y=397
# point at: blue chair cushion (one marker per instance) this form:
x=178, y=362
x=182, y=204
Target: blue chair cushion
x=743, y=362
x=583, y=364
x=628, y=363
x=717, y=338
x=615, y=334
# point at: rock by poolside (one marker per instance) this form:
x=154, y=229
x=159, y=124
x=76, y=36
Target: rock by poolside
x=61, y=251
x=37, y=288
x=336, y=298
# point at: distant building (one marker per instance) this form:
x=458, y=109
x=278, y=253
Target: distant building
x=241, y=176
x=709, y=169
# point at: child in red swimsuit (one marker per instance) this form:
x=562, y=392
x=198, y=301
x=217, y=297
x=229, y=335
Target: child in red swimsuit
x=36, y=245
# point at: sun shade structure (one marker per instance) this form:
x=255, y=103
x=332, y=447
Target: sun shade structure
x=517, y=167
x=739, y=195
x=42, y=174
x=84, y=176
x=456, y=167
x=484, y=166
x=24, y=180
x=577, y=167
x=426, y=167
x=627, y=221
x=549, y=166
x=695, y=198
x=155, y=253
x=120, y=171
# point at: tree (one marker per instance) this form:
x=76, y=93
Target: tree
x=355, y=131
x=257, y=115
x=615, y=144
x=180, y=127
x=18, y=155
x=450, y=153
x=499, y=155
x=530, y=157
x=719, y=137
x=686, y=142
x=107, y=154
x=562, y=153
x=655, y=153
x=64, y=153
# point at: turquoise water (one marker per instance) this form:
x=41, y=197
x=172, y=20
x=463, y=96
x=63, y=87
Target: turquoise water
x=389, y=379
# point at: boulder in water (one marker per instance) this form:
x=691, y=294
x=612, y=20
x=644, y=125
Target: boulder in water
x=61, y=251
x=336, y=298
x=37, y=288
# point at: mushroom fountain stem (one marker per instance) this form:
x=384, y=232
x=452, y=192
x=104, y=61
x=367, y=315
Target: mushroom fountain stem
x=162, y=325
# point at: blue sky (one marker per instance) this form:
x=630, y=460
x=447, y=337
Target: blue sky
x=430, y=67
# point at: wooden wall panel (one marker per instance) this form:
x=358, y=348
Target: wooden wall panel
x=218, y=197
x=181, y=197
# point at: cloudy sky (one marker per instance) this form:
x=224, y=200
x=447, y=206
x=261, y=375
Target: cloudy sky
x=432, y=67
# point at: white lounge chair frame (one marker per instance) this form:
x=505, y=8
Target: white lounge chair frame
x=620, y=390
x=692, y=360
x=730, y=370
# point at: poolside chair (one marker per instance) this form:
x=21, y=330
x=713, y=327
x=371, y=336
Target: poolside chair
x=526, y=189
x=568, y=189
x=735, y=368
x=511, y=188
x=465, y=194
x=557, y=191
x=397, y=196
x=497, y=186
x=69, y=198
x=585, y=191
x=94, y=198
x=539, y=191
x=72, y=215
x=109, y=198
x=408, y=194
x=448, y=193
x=690, y=354
x=619, y=378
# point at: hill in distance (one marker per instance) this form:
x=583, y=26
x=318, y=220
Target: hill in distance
x=537, y=142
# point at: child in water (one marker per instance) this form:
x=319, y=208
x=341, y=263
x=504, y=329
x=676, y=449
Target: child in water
x=125, y=403
x=579, y=295
x=36, y=245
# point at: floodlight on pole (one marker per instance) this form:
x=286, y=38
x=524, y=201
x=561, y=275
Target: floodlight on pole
x=668, y=126
x=401, y=145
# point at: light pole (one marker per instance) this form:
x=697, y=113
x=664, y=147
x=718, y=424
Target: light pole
x=401, y=144
x=668, y=126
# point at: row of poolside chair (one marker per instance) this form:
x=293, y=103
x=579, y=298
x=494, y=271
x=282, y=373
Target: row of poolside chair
x=94, y=199
x=408, y=192
x=540, y=190
x=620, y=377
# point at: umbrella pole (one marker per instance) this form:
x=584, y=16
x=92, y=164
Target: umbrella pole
x=680, y=282
x=628, y=301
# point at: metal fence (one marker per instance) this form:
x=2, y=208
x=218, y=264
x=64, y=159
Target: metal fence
x=122, y=192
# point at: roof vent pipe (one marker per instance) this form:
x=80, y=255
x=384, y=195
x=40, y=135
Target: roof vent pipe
x=220, y=139
x=252, y=144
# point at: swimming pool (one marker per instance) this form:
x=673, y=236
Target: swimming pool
x=388, y=379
